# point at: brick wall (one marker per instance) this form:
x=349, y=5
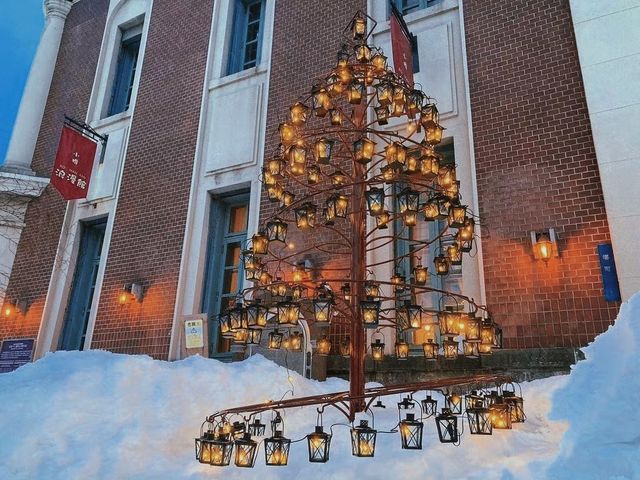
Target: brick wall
x=149, y=226
x=69, y=94
x=536, y=168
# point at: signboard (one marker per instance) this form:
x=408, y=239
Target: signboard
x=401, y=47
x=74, y=163
x=609, y=274
x=15, y=353
x=193, y=333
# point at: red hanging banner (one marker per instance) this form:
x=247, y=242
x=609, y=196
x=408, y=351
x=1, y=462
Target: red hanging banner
x=74, y=163
x=401, y=48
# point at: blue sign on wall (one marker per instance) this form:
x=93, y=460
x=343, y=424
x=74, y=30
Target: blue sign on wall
x=609, y=274
x=15, y=353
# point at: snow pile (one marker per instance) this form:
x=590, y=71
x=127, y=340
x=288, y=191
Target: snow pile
x=105, y=416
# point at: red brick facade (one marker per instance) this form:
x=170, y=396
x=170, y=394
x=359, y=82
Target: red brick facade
x=69, y=94
x=149, y=226
x=536, y=168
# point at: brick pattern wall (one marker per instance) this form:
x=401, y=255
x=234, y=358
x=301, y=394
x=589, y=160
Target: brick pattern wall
x=536, y=168
x=306, y=39
x=149, y=227
x=69, y=94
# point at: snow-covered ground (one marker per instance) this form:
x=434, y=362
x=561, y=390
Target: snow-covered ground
x=96, y=415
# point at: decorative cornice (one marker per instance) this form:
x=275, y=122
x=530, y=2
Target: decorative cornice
x=57, y=8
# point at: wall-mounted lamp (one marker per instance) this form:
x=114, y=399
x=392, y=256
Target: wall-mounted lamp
x=131, y=292
x=13, y=308
x=544, y=244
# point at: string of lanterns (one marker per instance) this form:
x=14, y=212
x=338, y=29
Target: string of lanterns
x=484, y=411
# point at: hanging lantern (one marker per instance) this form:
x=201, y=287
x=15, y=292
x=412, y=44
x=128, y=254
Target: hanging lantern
x=297, y=155
x=429, y=406
x=479, y=419
x=299, y=291
x=256, y=428
x=410, y=219
x=385, y=93
x=414, y=314
x=433, y=134
x=334, y=85
x=363, y=150
x=429, y=115
x=322, y=310
x=299, y=113
x=371, y=289
x=500, y=413
x=415, y=98
x=396, y=154
x=397, y=280
x=430, y=163
x=336, y=117
x=485, y=349
x=377, y=350
x=286, y=342
x=472, y=325
x=274, y=192
x=517, y=406
x=288, y=313
x=287, y=134
x=430, y=349
x=323, y=149
x=241, y=336
x=363, y=440
x=214, y=448
x=390, y=173
x=450, y=349
x=323, y=346
x=411, y=433
x=453, y=192
x=363, y=53
x=447, y=424
x=382, y=115
x=295, y=342
x=487, y=332
x=467, y=231
x=454, y=403
x=281, y=288
x=379, y=62
x=338, y=178
x=465, y=246
x=313, y=174
x=413, y=163
x=382, y=220
x=345, y=290
x=355, y=92
x=442, y=264
x=358, y=26
x=246, y=450
x=238, y=430
x=321, y=101
x=370, y=312
x=237, y=317
x=420, y=274
x=457, y=215
x=318, y=443
x=473, y=400
x=408, y=201
x=276, y=167
x=345, y=347
x=286, y=198
x=375, y=200
x=454, y=254
x=267, y=178
x=402, y=320
x=225, y=327
x=265, y=278
x=446, y=176
x=277, y=230
x=250, y=261
x=275, y=340
x=260, y=243
x=276, y=449
x=471, y=349
x=305, y=216
x=402, y=350
x=338, y=203
x=254, y=336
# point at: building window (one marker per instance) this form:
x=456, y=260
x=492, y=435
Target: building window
x=224, y=274
x=76, y=318
x=246, y=37
x=125, y=71
x=410, y=6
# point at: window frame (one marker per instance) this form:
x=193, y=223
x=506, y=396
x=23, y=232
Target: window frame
x=124, y=78
x=238, y=45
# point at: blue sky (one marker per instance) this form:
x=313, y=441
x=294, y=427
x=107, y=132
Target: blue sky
x=21, y=23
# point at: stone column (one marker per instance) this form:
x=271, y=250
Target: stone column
x=34, y=99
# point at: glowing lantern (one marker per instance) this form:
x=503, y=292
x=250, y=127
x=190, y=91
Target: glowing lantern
x=457, y=215
x=334, y=85
x=246, y=450
x=382, y=220
x=321, y=101
x=287, y=134
x=413, y=163
x=275, y=340
x=375, y=200
x=254, y=336
x=313, y=174
x=276, y=449
x=408, y=201
x=295, y=342
x=385, y=93
x=431, y=210
x=429, y=406
x=363, y=53
x=370, y=312
x=260, y=243
x=225, y=327
x=241, y=336
x=543, y=247
x=454, y=254
x=371, y=289
x=410, y=218
x=338, y=204
x=305, y=216
x=288, y=313
x=363, y=440
x=343, y=56
x=379, y=62
x=336, y=117
x=454, y=403
x=322, y=309
x=276, y=167
x=323, y=149
x=429, y=115
x=299, y=113
x=287, y=198
x=338, y=178
x=442, y=264
x=402, y=350
x=396, y=153
x=479, y=419
x=397, y=280
x=214, y=448
x=446, y=176
x=450, y=349
x=390, y=172
x=274, y=192
x=359, y=26
x=355, y=92
x=411, y=433
x=471, y=349
x=430, y=350
x=318, y=443
x=363, y=149
x=323, y=346
x=415, y=98
x=430, y=165
x=447, y=424
x=382, y=114
x=467, y=231
x=420, y=274
x=433, y=134
x=377, y=350
x=500, y=412
x=277, y=230
x=256, y=315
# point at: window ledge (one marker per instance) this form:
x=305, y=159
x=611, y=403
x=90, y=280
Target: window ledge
x=112, y=119
x=238, y=76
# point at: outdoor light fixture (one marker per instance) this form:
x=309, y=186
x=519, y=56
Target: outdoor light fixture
x=299, y=113
x=254, y=336
x=214, y=448
x=256, y=427
x=323, y=346
x=277, y=230
x=275, y=340
x=442, y=264
x=375, y=200
x=471, y=349
x=319, y=442
x=370, y=309
x=286, y=198
x=334, y=85
x=287, y=134
x=276, y=449
x=335, y=117
x=322, y=309
x=241, y=336
x=338, y=178
x=500, y=412
x=447, y=424
x=397, y=280
x=402, y=350
x=288, y=313
x=225, y=326
x=379, y=62
x=313, y=174
x=420, y=274
x=454, y=403
x=429, y=406
x=382, y=114
x=433, y=134
x=305, y=216
x=323, y=149
x=371, y=289
x=377, y=350
x=276, y=167
x=448, y=320
x=363, y=150
x=545, y=245
x=450, y=349
x=479, y=419
x=457, y=215
x=363, y=440
x=363, y=53
x=382, y=220
x=260, y=243
x=338, y=204
x=355, y=92
x=129, y=293
x=396, y=154
x=321, y=101
x=454, y=254
x=430, y=349
x=246, y=450
x=411, y=433
x=274, y=192
x=516, y=403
